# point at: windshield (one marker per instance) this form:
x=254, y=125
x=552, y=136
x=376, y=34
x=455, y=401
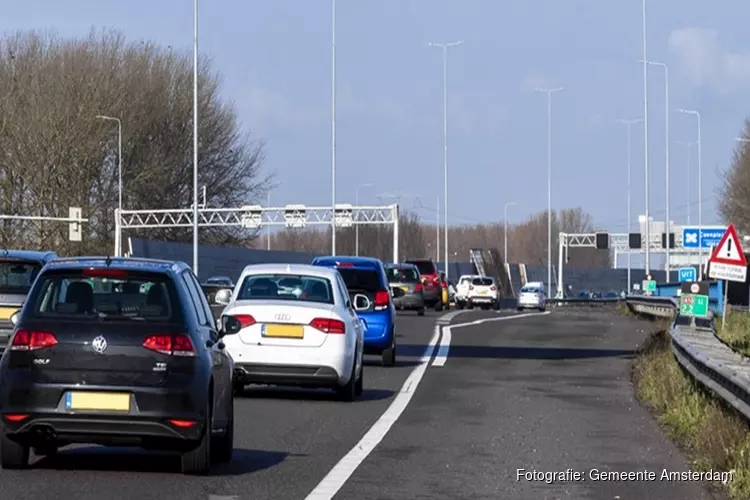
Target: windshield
x=402, y=275
x=18, y=276
x=529, y=289
x=424, y=266
x=483, y=282
x=286, y=287
x=139, y=296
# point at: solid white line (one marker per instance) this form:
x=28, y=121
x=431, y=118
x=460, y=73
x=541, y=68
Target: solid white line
x=445, y=342
x=342, y=471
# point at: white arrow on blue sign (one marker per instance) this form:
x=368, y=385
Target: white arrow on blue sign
x=710, y=237
x=687, y=274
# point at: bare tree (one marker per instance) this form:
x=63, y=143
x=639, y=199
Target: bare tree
x=734, y=191
x=57, y=154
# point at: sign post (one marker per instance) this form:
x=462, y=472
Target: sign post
x=728, y=263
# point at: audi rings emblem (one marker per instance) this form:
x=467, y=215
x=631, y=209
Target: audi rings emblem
x=282, y=317
x=99, y=344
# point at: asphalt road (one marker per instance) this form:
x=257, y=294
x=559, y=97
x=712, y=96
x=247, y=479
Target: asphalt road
x=539, y=392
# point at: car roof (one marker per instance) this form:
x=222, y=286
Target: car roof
x=369, y=262
x=126, y=263
x=43, y=256
x=306, y=269
x=424, y=259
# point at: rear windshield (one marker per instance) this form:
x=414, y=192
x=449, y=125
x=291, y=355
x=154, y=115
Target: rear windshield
x=361, y=280
x=140, y=296
x=464, y=281
x=407, y=275
x=18, y=276
x=483, y=282
x=424, y=266
x=218, y=281
x=529, y=289
x=286, y=287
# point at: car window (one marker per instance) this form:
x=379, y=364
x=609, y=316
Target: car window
x=424, y=266
x=286, y=287
x=195, y=297
x=402, y=275
x=483, y=282
x=530, y=289
x=361, y=280
x=203, y=301
x=18, y=276
x=342, y=288
x=120, y=295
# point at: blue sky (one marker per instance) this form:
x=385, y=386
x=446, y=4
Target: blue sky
x=275, y=56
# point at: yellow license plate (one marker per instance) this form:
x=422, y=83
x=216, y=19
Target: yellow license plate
x=7, y=312
x=483, y=292
x=104, y=401
x=404, y=288
x=284, y=331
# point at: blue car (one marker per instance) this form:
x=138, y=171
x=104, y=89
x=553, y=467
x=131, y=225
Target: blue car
x=366, y=276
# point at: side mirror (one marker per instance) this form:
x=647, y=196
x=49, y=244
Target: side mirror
x=14, y=317
x=361, y=302
x=397, y=292
x=230, y=325
x=223, y=296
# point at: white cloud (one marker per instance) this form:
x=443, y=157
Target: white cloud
x=706, y=64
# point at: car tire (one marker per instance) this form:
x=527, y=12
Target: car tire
x=13, y=455
x=388, y=356
x=360, y=385
x=348, y=392
x=420, y=311
x=469, y=305
x=519, y=309
x=223, y=446
x=198, y=460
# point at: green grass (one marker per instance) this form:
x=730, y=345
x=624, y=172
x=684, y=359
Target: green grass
x=713, y=435
x=623, y=310
x=737, y=331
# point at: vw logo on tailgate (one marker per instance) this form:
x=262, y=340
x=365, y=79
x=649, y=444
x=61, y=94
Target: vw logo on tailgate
x=99, y=344
x=282, y=317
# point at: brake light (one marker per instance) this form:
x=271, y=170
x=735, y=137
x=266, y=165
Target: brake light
x=382, y=299
x=493, y=288
x=15, y=417
x=471, y=287
x=327, y=325
x=29, y=340
x=172, y=345
x=105, y=273
x=245, y=320
x=182, y=423
x=436, y=280
x=344, y=264
x=418, y=287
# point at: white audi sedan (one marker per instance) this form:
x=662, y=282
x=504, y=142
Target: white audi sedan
x=299, y=328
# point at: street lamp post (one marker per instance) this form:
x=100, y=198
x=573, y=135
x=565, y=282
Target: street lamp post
x=666, y=147
x=119, y=167
x=356, y=226
x=333, y=127
x=700, y=182
x=505, y=227
x=549, y=183
x=689, y=165
x=645, y=142
x=445, y=47
x=629, y=124
x=268, y=229
x=195, y=137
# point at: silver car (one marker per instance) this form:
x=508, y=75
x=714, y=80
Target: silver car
x=532, y=297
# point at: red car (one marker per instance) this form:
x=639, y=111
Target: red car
x=432, y=285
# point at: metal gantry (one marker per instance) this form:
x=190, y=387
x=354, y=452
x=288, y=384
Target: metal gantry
x=255, y=217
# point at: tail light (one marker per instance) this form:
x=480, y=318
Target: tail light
x=327, y=325
x=471, y=287
x=184, y=424
x=30, y=340
x=105, y=273
x=382, y=299
x=16, y=417
x=436, y=280
x=172, y=345
x=493, y=288
x=245, y=320
x=418, y=287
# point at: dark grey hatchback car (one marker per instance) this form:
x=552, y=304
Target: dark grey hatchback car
x=407, y=278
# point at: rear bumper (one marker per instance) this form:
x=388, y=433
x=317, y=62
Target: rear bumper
x=483, y=299
x=410, y=301
x=530, y=304
x=304, y=366
x=299, y=375
x=432, y=295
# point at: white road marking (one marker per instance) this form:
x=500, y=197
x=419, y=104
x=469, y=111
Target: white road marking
x=342, y=471
x=445, y=342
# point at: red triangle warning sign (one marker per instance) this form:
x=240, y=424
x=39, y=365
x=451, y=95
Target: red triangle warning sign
x=729, y=251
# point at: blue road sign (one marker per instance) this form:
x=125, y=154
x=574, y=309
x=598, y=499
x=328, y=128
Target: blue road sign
x=687, y=274
x=709, y=237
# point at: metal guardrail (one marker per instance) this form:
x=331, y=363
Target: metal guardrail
x=710, y=361
x=585, y=302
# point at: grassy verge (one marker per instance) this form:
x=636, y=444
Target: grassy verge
x=623, y=310
x=737, y=331
x=713, y=435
